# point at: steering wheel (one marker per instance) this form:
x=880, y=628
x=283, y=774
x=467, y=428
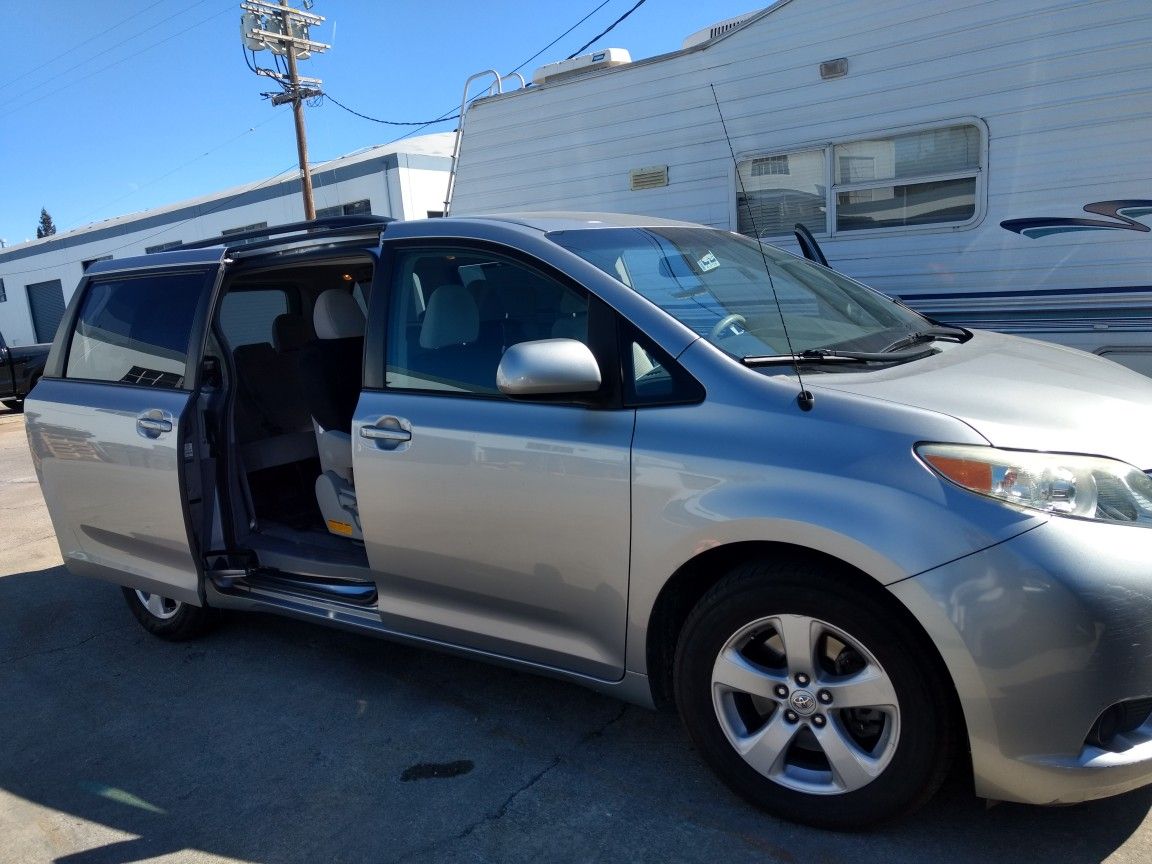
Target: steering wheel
x=724, y=323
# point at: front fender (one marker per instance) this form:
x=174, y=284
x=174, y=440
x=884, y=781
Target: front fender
x=712, y=475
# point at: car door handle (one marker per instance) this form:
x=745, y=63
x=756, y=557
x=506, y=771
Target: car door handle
x=151, y=424
x=378, y=433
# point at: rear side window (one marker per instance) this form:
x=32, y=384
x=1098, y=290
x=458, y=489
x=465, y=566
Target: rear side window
x=136, y=330
x=247, y=316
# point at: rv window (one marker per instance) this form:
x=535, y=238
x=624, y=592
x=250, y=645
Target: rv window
x=920, y=178
x=927, y=177
x=776, y=192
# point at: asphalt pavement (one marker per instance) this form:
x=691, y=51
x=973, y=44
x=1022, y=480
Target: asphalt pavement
x=275, y=741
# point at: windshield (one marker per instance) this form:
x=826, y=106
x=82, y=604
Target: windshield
x=717, y=284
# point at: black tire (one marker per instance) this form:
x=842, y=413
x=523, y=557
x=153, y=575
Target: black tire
x=169, y=619
x=858, y=645
x=16, y=405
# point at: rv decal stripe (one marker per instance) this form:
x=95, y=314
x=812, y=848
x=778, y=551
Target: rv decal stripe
x=1122, y=213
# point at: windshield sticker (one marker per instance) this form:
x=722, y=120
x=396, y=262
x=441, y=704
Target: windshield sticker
x=708, y=262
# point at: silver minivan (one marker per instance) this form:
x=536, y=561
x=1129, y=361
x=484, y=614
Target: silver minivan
x=853, y=547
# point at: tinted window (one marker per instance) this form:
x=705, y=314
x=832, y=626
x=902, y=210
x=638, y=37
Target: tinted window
x=247, y=316
x=136, y=330
x=454, y=313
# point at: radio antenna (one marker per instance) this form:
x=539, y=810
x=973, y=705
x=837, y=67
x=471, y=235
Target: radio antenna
x=805, y=398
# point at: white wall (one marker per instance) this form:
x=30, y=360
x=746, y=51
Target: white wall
x=407, y=185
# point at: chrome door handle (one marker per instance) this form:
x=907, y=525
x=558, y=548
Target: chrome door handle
x=150, y=424
x=377, y=433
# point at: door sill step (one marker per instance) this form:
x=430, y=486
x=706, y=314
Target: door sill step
x=359, y=594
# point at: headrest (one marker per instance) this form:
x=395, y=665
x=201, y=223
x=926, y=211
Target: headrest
x=337, y=315
x=515, y=287
x=451, y=318
x=290, y=331
x=254, y=354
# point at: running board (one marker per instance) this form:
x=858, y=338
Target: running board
x=312, y=587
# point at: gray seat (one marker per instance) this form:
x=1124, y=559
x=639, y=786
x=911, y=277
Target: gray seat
x=330, y=372
x=290, y=332
x=273, y=426
x=451, y=319
x=451, y=347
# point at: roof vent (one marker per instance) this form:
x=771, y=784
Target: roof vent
x=648, y=178
x=719, y=29
x=605, y=59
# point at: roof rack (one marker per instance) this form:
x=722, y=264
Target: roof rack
x=331, y=226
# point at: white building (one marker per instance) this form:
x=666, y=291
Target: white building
x=987, y=162
x=407, y=180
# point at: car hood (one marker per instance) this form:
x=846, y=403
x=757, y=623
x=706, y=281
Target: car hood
x=1022, y=394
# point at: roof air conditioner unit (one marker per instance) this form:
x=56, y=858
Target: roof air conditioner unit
x=605, y=59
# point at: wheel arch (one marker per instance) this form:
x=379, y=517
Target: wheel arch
x=692, y=580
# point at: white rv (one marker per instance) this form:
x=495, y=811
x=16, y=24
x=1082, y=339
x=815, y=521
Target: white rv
x=987, y=162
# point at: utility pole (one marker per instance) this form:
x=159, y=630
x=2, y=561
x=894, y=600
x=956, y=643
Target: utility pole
x=284, y=31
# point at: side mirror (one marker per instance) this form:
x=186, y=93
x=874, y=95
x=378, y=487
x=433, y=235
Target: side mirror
x=548, y=367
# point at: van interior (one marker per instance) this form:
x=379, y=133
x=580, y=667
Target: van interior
x=292, y=342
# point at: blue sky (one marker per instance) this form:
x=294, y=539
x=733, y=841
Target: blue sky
x=112, y=108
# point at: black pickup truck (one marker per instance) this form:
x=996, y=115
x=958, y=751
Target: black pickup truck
x=20, y=369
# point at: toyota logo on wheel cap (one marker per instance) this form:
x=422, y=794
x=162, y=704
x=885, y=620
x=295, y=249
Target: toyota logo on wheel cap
x=802, y=702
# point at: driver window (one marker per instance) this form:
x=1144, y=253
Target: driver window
x=455, y=312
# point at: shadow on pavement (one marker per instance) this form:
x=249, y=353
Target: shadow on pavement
x=274, y=741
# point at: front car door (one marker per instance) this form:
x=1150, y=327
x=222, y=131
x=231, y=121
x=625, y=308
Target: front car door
x=110, y=424
x=498, y=525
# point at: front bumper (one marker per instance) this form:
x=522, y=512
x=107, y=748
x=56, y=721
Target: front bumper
x=1042, y=633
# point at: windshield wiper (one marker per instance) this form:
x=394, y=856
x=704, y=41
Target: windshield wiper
x=931, y=334
x=827, y=356
x=910, y=347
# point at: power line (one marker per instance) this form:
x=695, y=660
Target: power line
x=274, y=116
x=445, y=117
x=611, y=27
x=332, y=98
x=20, y=107
x=79, y=45
x=561, y=36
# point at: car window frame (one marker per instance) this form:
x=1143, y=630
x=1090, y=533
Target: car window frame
x=687, y=389
x=603, y=325
x=213, y=273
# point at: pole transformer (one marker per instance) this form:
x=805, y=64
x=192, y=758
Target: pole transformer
x=284, y=31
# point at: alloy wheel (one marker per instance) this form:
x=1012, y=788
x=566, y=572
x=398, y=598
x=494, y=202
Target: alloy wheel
x=806, y=705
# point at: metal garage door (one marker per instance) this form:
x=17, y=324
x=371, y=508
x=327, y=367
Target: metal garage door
x=46, y=300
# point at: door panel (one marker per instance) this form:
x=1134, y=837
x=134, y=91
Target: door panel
x=110, y=460
x=109, y=427
x=498, y=525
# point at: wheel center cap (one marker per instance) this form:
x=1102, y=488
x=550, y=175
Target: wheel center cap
x=802, y=702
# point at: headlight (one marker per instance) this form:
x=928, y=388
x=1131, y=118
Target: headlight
x=1087, y=487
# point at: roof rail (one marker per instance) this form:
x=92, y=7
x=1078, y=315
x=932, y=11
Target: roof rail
x=330, y=226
